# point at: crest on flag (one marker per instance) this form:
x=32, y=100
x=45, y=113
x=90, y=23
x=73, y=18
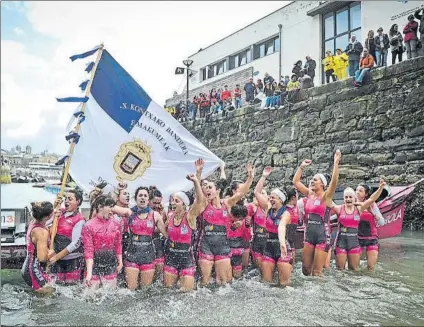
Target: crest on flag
x=132, y=160
x=179, y=70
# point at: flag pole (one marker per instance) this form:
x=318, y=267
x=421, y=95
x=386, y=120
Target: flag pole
x=53, y=230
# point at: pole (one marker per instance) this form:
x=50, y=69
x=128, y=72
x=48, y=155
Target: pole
x=280, y=27
x=187, y=89
x=71, y=150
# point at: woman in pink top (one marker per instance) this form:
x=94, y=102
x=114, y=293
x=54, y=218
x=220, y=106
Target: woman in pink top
x=179, y=256
x=102, y=239
x=317, y=212
x=349, y=215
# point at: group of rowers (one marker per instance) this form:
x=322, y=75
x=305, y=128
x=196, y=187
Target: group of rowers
x=215, y=233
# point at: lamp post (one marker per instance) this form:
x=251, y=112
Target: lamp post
x=280, y=27
x=187, y=63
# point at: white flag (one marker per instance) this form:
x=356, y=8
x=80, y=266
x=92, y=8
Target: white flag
x=127, y=137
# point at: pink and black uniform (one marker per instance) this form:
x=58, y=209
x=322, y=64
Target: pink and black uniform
x=179, y=255
x=259, y=232
x=291, y=229
x=69, y=236
x=213, y=242
x=141, y=252
x=102, y=240
x=272, y=252
x=236, y=241
x=32, y=270
x=318, y=231
x=367, y=231
x=158, y=242
x=347, y=236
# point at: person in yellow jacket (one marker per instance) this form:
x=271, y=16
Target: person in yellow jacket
x=341, y=62
x=328, y=63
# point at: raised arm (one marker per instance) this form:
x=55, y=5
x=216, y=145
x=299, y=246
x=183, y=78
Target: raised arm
x=160, y=224
x=120, y=211
x=329, y=193
x=285, y=220
x=373, y=197
x=199, y=164
x=243, y=189
x=262, y=200
x=196, y=208
x=222, y=168
x=297, y=178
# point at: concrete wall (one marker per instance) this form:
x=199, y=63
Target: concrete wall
x=379, y=129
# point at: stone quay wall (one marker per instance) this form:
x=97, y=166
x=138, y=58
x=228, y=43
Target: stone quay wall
x=379, y=129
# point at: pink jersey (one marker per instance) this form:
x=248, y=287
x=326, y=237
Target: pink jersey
x=272, y=224
x=218, y=217
x=259, y=218
x=367, y=226
x=101, y=235
x=294, y=215
x=181, y=233
x=315, y=206
x=349, y=220
x=235, y=232
x=144, y=227
x=66, y=223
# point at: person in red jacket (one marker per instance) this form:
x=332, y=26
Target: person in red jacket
x=366, y=63
x=226, y=94
x=237, y=96
x=411, y=39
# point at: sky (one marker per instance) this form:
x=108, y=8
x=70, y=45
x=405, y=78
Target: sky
x=149, y=39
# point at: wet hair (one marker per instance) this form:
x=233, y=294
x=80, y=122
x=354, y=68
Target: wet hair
x=154, y=192
x=221, y=184
x=101, y=201
x=140, y=188
x=94, y=194
x=290, y=193
x=239, y=211
x=41, y=210
x=78, y=194
x=367, y=190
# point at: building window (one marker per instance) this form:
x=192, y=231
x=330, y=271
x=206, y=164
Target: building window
x=202, y=74
x=339, y=26
x=240, y=59
x=265, y=48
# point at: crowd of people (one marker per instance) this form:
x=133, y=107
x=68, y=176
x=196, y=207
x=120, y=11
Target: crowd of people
x=356, y=60
x=213, y=231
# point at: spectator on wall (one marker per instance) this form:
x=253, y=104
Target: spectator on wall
x=420, y=17
x=396, y=43
x=218, y=98
x=354, y=50
x=196, y=102
x=297, y=69
x=250, y=88
x=283, y=90
x=192, y=110
x=382, y=44
x=292, y=88
x=204, y=105
x=215, y=107
x=226, y=95
x=259, y=86
x=370, y=44
x=309, y=68
x=328, y=63
x=366, y=63
x=212, y=96
x=341, y=62
x=306, y=82
x=237, y=97
x=268, y=79
x=286, y=80
x=269, y=92
x=411, y=39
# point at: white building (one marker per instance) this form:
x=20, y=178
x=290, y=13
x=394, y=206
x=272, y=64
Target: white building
x=308, y=28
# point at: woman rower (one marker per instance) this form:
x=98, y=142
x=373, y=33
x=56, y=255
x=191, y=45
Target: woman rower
x=278, y=251
x=67, y=258
x=102, y=239
x=347, y=243
x=259, y=230
x=37, y=239
x=317, y=211
x=213, y=244
x=367, y=229
x=140, y=256
x=179, y=256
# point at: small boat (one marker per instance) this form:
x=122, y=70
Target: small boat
x=391, y=203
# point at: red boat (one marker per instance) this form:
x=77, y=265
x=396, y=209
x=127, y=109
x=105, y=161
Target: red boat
x=391, y=204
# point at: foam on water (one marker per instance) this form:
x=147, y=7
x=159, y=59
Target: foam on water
x=391, y=295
